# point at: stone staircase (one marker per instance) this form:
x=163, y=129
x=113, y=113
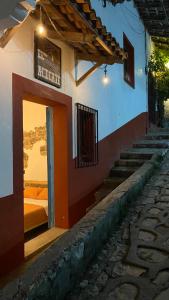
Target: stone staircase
x=132, y=159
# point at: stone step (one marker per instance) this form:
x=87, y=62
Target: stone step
x=151, y=144
x=130, y=162
x=139, y=153
x=113, y=182
x=110, y=183
x=157, y=136
x=122, y=171
x=156, y=130
x=102, y=192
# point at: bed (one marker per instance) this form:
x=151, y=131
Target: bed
x=35, y=205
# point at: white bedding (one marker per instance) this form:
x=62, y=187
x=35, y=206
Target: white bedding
x=43, y=203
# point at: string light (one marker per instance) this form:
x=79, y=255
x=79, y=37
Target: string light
x=105, y=79
x=40, y=29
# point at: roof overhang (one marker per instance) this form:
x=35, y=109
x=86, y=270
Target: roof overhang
x=155, y=15
x=76, y=23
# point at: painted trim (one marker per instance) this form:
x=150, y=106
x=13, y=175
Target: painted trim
x=62, y=116
x=50, y=166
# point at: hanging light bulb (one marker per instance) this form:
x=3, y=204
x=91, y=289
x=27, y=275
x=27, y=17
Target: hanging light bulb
x=40, y=29
x=105, y=78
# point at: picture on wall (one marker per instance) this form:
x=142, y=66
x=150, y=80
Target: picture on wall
x=47, y=63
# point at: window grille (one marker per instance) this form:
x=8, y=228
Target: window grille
x=129, y=76
x=87, y=136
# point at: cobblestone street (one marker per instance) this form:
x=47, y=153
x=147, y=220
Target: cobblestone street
x=134, y=263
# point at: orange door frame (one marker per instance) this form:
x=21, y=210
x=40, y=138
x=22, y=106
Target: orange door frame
x=62, y=117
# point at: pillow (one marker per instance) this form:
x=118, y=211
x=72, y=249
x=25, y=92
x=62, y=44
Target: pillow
x=43, y=195
x=32, y=192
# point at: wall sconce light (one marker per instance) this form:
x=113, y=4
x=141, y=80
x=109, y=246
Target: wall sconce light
x=105, y=78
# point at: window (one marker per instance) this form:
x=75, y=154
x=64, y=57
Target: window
x=87, y=136
x=129, y=62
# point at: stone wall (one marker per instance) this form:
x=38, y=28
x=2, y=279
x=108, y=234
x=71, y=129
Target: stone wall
x=56, y=270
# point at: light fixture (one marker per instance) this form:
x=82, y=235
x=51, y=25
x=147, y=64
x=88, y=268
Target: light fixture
x=167, y=65
x=139, y=72
x=40, y=29
x=105, y=78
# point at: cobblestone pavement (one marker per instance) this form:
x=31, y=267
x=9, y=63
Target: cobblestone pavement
x=134, y=263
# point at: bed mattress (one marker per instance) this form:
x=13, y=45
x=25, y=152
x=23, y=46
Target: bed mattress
x=35, y=213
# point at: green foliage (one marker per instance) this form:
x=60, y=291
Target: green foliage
x=157, y=65
x=157, y=61
x=163, y=85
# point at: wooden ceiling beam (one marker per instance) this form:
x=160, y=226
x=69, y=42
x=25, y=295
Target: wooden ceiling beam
x=78, y=37
x=74, y=37
x=60, y=2
x=89, y=35
x=57, y=16
x=55, y=2
x=81, y=1
x=108, y=60
x=95, y=58
x=99, y=40
x=104, y=46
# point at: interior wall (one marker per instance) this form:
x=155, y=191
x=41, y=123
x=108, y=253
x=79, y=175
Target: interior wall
x=35, y=147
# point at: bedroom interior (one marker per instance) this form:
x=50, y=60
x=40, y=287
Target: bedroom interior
x=35, y=169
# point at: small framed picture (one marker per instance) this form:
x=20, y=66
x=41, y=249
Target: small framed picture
x=47, y=62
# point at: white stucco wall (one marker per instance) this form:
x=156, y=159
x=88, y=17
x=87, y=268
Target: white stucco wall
x=117, y=102
x=18, y=57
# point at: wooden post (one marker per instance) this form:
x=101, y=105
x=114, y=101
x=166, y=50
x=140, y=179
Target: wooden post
x=88, y=73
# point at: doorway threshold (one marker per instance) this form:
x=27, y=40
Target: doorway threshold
x=40, y=242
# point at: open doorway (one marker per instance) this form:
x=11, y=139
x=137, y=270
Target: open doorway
x=61, y=106
x=38, y=169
